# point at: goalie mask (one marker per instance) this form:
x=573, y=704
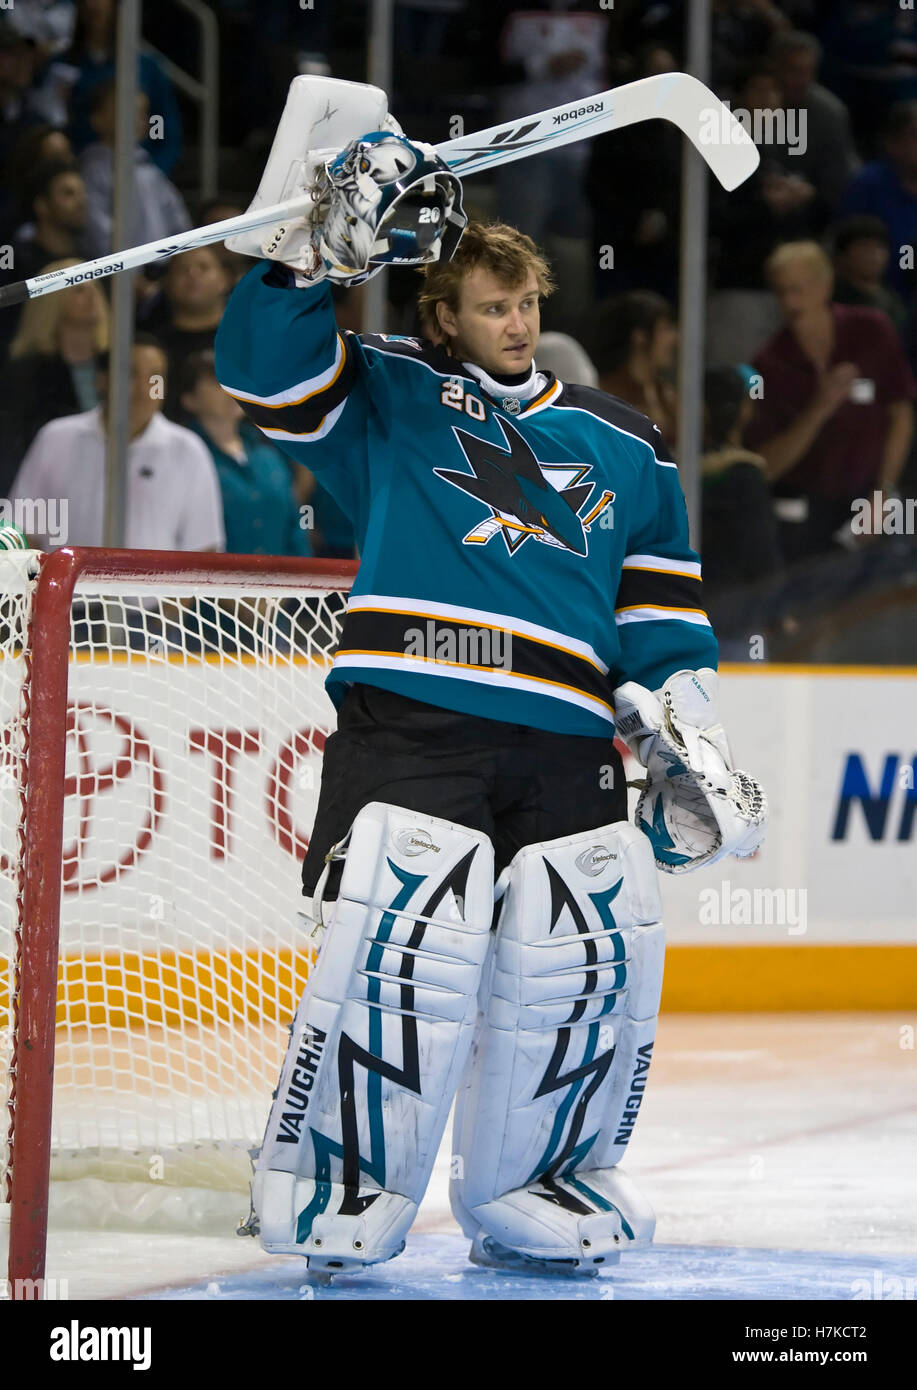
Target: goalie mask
x=394, y=202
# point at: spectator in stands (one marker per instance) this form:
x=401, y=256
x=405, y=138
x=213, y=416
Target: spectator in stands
x=826, y=156
x=218, y=210
x=860, y=260
x=634, y=27
x=421, y=25
x=34, y=147
x=283, y=40
x=260, y=512
x=173, y=496
x=17, y=69
x=552, y=53
x=195, y=289
x=741, y=30
x=419, y=35
x=909, y=336
x=632, y=343
x=93, y=55
x=870, y=59
x=738, y=526
x=776, y=204
x=887, y=188
x=549, y=53
x=633, y=183
x=159, y=209
x=57, y=205
x=52, y=367
x=835, y=420
x=41, y=142
x=153, y=313
x=49, y=26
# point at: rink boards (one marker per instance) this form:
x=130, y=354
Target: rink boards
x=824, y=917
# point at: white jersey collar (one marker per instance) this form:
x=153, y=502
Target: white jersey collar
x=526, y=390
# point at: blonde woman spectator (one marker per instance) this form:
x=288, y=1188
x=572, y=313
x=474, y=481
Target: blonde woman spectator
x=52, y=367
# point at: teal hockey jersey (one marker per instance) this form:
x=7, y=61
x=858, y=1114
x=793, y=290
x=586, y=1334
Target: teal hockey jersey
x=519, y=559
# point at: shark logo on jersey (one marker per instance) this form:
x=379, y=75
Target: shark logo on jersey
x=526, y=498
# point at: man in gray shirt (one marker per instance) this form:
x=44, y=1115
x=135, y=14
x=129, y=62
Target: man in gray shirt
x=159, y=209
x=825, y=154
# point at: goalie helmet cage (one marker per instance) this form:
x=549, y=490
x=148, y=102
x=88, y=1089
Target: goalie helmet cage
x=215, y=659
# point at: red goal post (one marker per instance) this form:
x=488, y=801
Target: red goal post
x=148, y=699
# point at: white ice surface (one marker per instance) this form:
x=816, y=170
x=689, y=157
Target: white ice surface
x=778, y=1151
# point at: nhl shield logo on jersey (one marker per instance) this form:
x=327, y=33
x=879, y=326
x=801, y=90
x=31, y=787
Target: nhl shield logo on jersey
x=526, y=498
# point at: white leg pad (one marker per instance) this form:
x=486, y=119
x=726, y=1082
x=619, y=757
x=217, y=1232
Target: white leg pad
x=378, y=1043
x=561, y=1052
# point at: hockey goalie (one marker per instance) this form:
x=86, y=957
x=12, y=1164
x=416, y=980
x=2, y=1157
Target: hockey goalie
x=488, y=919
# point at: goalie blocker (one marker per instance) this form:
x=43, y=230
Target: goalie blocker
x=378, y=198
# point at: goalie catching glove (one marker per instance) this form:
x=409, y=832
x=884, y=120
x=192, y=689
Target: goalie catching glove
x=694, y=807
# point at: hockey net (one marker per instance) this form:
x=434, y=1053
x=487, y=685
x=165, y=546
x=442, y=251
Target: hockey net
x=162, y=719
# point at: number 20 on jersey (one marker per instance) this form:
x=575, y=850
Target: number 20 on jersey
x=454, y=395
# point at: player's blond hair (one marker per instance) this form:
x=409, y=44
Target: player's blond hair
x=503, y=250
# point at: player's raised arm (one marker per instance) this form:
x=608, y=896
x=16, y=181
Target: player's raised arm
x=381, y=200
x=280, y=355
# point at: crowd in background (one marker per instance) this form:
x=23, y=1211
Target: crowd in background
x=199, y=476
x=811, y=334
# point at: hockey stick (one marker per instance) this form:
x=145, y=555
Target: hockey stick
x=715, y=133
x=149, y=251
x=670, y=96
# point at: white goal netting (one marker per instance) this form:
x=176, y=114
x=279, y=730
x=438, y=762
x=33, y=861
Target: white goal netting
x=196, y=719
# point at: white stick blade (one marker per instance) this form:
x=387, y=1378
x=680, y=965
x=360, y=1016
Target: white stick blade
x=671, y=96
